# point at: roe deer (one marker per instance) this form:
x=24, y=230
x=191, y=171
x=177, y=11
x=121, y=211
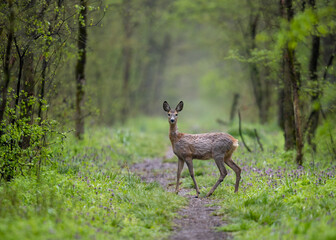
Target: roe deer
x=187, y=147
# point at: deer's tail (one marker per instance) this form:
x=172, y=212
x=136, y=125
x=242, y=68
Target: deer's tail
x=235, y=143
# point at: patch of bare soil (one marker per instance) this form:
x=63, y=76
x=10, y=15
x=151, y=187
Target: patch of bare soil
x=197, y=220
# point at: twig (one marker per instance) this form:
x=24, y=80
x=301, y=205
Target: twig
x=258, y=140
x=240, y=133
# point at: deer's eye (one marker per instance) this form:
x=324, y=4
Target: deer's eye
x=168, y=114
x=176, y=114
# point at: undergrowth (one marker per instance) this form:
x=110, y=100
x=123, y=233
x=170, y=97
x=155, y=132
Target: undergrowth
x=276, y=199
x=89, y=193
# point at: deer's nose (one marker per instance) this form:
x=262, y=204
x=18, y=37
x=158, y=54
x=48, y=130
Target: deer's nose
x=172, y=120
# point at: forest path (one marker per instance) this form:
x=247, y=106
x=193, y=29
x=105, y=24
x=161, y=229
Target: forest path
x=196, y=221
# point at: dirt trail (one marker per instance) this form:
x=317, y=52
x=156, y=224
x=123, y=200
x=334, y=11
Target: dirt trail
x=197, y=220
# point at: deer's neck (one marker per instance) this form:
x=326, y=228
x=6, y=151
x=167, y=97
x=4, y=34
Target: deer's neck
x=173, y=133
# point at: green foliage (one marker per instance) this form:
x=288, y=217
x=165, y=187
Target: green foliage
x=306, y=23
x=95, y=206
x=275, y=199
x=24, y=145
x=89, y=193
x=268, y=206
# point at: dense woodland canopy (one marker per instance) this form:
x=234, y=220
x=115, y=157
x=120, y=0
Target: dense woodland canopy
x=104, y=62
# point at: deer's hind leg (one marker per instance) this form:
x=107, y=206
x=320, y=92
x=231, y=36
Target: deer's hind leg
x=235, y=168
x=191, y=171
x=223, y=172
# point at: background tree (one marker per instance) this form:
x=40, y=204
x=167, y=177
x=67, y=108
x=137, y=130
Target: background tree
x=80, y=68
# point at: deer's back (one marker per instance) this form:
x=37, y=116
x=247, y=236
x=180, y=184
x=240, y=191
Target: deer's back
x=204, y=146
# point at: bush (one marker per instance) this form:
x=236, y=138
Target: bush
x=23, y=144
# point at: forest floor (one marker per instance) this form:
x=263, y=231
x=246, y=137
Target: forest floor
x=198, y=220
x=90, y=193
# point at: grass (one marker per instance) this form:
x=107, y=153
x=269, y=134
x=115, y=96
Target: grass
x=276, y=199
x=89, y=193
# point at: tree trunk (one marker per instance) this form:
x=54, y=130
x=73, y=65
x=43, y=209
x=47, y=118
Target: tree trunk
x=314, y=115
x=257, y=85
x=163, y=56
x=287, y=103
x=80, y=69
x=313, y=63
x=234, y=106
x=298, y=123
x=19, y=78
x=127, y=54
x=292, y=76
x=281, y=99
x=285, y=95
x=28, y=89
x=43, y=80
x=148, y=79
x=147, y=86
x=267, y=99
x=329, y=52
x=6, y=69
x=257, y=90
x=297, y=116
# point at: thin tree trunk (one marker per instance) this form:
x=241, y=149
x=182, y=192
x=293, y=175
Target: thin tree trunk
x=19, y=78
x=147, y=86
x=298, y=123
x=44, y=69
x=267, y=100
x=281, y=98
x=8, y=170
x=4, y=87
x=257, y=90
x=234, y=106
x=80, y=69
x=255, y=73
x=161, y=67
x=128, y=55
x=28, y=89
x=288, y=107
x=45, y=62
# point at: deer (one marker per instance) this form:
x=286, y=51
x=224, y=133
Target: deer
x=218, y=146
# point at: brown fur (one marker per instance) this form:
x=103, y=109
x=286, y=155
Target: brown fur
x=218, y=146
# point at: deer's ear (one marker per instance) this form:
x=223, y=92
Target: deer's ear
x=179, y=107
x=166, y=106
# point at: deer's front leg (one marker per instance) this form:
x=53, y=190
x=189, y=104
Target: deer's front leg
x=191, y=171
x=180, y=165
